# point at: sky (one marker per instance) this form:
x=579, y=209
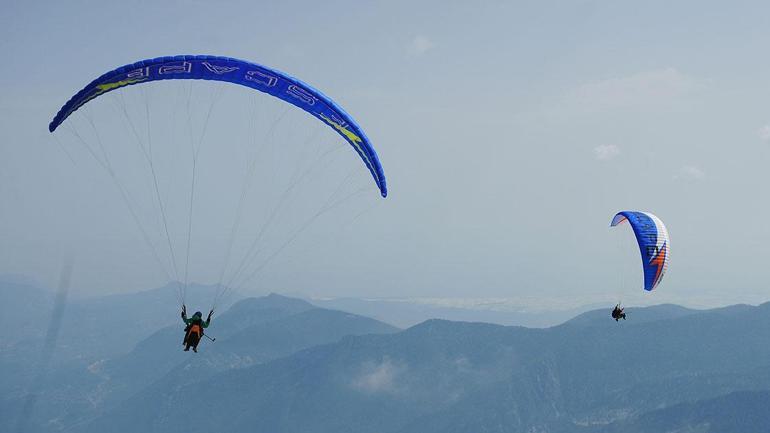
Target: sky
x=510, y=134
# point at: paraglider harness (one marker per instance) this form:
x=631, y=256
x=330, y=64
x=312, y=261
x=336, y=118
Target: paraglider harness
x=618, y=313
x=193, y=332
x=194, y=328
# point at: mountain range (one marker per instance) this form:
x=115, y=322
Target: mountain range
x=283, y=364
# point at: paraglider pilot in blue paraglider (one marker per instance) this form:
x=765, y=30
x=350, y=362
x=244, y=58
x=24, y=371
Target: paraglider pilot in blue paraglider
x=193, y=332
x=618, y=313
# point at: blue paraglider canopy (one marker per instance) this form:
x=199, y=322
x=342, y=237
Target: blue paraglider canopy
x=652, y=237
x=264, y=79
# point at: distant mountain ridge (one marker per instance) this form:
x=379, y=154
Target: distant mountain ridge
x=736, y=412
x=443, y=376
x=283, y=364
x=409, y=312
x=252, y=331
x=637, y=315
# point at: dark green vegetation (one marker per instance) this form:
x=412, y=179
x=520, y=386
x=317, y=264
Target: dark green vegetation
x=281, y=364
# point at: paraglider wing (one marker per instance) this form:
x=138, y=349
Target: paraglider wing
x=239, y=72
x=652, y=237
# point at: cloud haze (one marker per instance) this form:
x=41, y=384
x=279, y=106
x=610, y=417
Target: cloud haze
x=419, y=45
x=691, y=173
x=764, y=133
x=606, y=152
x=379, y=377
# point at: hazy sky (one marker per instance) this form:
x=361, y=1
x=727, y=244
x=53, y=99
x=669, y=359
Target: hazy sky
x=510, y=134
